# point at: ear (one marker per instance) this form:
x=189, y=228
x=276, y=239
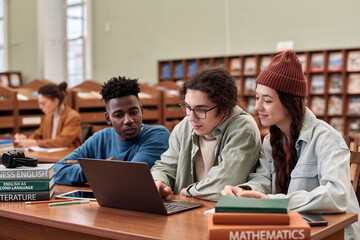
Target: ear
x=107, y=119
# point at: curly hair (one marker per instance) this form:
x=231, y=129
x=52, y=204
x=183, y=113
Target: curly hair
x=53, y=91
x=119, y=87
x=295, y=105
x=217, y=83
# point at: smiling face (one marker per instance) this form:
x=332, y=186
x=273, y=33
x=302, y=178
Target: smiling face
x=125, y=115
x=196, y=99
x=270, y=109
x=47, y=105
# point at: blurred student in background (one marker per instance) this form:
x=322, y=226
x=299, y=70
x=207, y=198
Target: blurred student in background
x=61, y=126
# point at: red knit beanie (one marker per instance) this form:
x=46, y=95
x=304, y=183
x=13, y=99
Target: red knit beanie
x=284, y=74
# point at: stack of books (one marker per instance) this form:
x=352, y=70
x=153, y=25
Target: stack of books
x=26, y=183
x=252, y=218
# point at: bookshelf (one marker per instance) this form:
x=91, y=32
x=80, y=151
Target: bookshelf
x=11, y=79
x=151, y=100
x=171, y=113
x=333, y=82
x=8, y=110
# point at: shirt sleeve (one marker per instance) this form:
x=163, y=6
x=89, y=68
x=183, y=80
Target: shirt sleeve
x=153, y=145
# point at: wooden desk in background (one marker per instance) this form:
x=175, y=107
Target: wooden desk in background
x=90, y=221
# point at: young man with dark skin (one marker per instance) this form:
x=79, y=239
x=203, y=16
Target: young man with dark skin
x=128, y=139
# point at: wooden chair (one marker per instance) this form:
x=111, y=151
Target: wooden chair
x=353, y=143
x=355, y=172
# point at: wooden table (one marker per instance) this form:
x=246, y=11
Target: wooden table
x=49, y=157
x=90, y=221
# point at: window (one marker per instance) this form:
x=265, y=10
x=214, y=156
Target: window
x=3, y=63
x=76, y=40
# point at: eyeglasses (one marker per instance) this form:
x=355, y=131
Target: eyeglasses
x=198, y=112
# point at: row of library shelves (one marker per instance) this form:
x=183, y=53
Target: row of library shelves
x=333, y=78
x=331, y=61
x=19, y=109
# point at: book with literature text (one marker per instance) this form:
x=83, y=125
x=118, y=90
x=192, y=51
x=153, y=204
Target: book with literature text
x=257, y=205
x=40, y=172
x=298, y=228
x=26, y=196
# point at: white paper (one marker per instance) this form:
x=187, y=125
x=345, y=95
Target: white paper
x=40, y=149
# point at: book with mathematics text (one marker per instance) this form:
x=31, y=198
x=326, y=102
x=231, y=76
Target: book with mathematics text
x=26, y=196
x=26, y=185
x=248, y=205
x=42, y=171
x=297, y=229
x=251, y=218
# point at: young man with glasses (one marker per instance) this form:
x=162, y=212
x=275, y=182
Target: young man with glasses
x=213, y=145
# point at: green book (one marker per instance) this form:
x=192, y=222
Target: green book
x=247, y=205
x=26, y=185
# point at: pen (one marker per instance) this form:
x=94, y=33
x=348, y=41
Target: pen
x=70, y=202
x=50, y=201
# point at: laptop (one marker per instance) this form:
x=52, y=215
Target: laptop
x=129, y=186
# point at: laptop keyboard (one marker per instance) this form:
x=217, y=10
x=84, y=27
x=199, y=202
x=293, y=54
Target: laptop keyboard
x=174, y=207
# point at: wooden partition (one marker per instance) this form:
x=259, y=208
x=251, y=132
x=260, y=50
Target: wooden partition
x=150, y=99
x=8, y=109
x=171, y=113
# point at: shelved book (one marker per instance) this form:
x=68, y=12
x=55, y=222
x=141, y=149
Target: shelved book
x=297, y=228
x=354, y=126
x=318, y=105
x=317, y=84
x=250, y=66
x=165, y=71
x=353, y=63
x=235, y=66
x=192, y=67
x=205, y=63
x=354, y=83
x=220, y=63
x=250, y=86
x=335, y=105
x=335, y=62
x=179, y=70
x=317, y=62
x=265, y=61
x=338, y=124
x=26, y=183
x=302, y=59
x=335, y=85
x=354, y=106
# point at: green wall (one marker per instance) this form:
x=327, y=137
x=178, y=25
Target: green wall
x=145, y=31
x=23, y=37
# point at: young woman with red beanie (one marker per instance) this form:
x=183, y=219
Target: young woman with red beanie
x=302, y=158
